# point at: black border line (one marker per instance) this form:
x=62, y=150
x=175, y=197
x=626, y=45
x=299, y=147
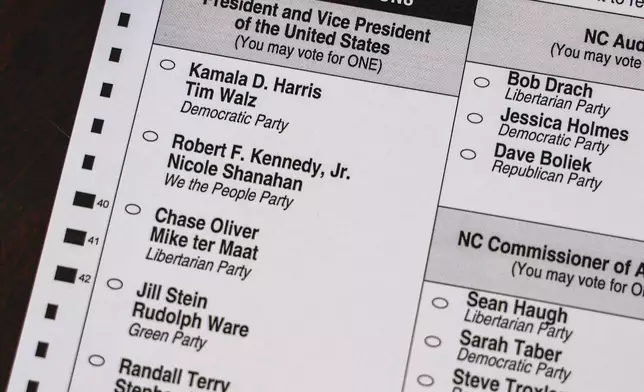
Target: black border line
x=447, y=154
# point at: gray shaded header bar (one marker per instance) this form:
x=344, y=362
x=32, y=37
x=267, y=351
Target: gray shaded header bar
x=482, y=269
x=432, y=60
x=523, y=34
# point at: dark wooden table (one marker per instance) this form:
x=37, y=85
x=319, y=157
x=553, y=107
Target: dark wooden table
x=45, y=47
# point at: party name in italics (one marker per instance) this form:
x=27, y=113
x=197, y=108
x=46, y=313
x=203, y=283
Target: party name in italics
x=181, y=317
x=234, y=243
x=554, y=92
x=516, y=354
x=546, y=164
x=519, y=316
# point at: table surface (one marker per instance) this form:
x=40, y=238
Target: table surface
x=45, y=49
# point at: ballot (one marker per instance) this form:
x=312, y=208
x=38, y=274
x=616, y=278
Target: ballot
x=348, y=195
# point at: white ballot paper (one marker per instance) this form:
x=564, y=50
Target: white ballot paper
x=349, y=195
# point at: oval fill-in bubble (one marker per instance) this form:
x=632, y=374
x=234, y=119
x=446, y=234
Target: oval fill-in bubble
x=481, y=82
x=96, y=360
x=115, y=284
x=440, y=303
x=167, y=64
x=426, y=380
x=475, y=118
x=433, y=341
x=150, y=136
x=133, y=209
x=468, y=154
